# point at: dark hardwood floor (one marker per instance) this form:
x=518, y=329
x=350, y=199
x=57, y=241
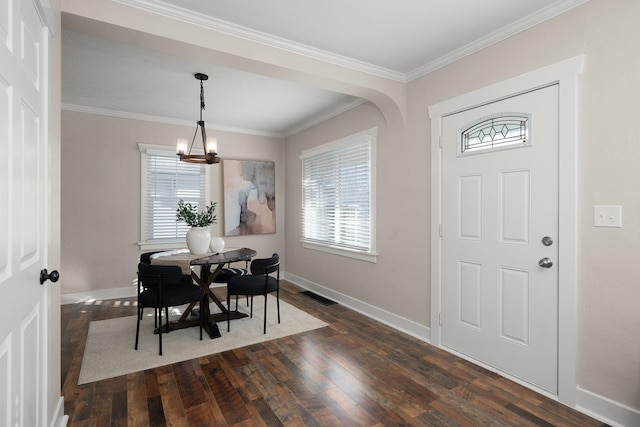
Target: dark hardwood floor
x=355, y=372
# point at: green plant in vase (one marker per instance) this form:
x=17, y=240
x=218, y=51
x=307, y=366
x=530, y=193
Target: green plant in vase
x=198, y=237
x=189, y=213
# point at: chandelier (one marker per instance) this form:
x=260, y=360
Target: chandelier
x=210, y=145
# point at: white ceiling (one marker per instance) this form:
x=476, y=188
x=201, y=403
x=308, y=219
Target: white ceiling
x=399, y=39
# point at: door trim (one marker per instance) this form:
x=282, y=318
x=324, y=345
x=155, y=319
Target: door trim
x=565, y=74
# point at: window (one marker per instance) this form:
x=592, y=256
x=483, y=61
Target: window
x=338, y=196
x=506, y=130
x=164, y=181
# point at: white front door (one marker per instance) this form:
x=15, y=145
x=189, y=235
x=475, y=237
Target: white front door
x=499, y=223
x=24, y=215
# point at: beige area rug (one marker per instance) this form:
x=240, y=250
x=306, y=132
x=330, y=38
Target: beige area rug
x=109, y=349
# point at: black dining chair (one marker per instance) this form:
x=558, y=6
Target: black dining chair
x=228, y=272
x=259, y=282
x=164, y=286
x=145, y=258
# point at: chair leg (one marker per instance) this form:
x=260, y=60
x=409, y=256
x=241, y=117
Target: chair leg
x=160, y=336
x=138, y=326
x=251, y=311
x=278, y=303
x=201, y=324
x=229, y=310
x=265, y=313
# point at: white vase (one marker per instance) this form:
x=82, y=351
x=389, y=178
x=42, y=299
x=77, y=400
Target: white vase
x=216, y=245
x=198, y=239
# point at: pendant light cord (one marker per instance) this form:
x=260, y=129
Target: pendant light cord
x=200, y=123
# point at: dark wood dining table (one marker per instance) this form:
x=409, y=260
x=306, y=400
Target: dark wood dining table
x=189, y=263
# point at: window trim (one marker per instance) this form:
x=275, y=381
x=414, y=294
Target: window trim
x=371, y=255
x=167, y=244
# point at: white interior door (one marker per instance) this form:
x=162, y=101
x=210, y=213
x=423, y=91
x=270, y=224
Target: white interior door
x=499, y=223
x=23, y=214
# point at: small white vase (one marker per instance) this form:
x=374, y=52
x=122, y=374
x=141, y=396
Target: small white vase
x=216, y=245
x=198, y=239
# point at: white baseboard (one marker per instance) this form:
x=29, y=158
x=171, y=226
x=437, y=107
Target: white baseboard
x=101, y=294
x=606, y=410
x=409, y=327
x=59, y=419
x=596, y=406
x=592, y=404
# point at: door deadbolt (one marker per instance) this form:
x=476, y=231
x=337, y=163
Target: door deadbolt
x=547, y=241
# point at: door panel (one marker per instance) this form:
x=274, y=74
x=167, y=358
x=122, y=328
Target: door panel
x=498, y=305
x=5, y=174
x=23, y=215
x=470, y=294
x=514, y=305
x=470, y=214
x=515, y=199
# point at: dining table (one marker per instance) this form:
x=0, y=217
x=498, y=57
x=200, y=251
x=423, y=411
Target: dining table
x=200, y=268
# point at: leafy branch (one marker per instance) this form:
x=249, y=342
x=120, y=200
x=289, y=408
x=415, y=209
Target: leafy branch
x=189, y=213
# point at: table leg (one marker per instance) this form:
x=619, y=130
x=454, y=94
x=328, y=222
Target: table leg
x=187, y=312
x=209, y=323
x=218, y=317
x=210, y=320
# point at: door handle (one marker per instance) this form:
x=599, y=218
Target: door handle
x=545, y=262
x=44, y=276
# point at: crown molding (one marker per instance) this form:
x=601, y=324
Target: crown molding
x=169, y=121
x=174, y=12
x=516, y=27
x=205, y=21
x=165, y=120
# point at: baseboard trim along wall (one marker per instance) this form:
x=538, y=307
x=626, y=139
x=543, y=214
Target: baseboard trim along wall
x=59, y=419
x=409, y=327
x=599, y=407
x=102, y=294
x=606, y=410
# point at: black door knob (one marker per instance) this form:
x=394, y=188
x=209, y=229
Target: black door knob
x=44, y=276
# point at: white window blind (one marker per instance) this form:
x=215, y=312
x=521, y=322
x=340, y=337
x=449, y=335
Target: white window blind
x=165, y=180
x=338, y=194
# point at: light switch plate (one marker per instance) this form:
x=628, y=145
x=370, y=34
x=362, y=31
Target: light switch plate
x=607, y=216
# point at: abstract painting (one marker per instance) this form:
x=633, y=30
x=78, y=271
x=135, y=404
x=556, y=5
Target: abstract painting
x=249, y=197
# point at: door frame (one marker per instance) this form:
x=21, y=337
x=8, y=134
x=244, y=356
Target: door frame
x=565, y=74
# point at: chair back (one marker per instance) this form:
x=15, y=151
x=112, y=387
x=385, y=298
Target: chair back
x=146, y=257
x=265, y=265
x=154, y=275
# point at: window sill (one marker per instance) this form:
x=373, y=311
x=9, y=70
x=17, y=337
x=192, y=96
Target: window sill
x=362, y=256
x=154, y=246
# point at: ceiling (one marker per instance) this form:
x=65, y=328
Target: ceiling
x=400, y=40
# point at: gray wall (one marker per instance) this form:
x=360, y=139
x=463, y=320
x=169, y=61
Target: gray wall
x=101, y=195
x=100, y=191
x=608, y=158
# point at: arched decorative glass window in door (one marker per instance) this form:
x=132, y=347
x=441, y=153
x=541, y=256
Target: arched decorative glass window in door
x=497, y=132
